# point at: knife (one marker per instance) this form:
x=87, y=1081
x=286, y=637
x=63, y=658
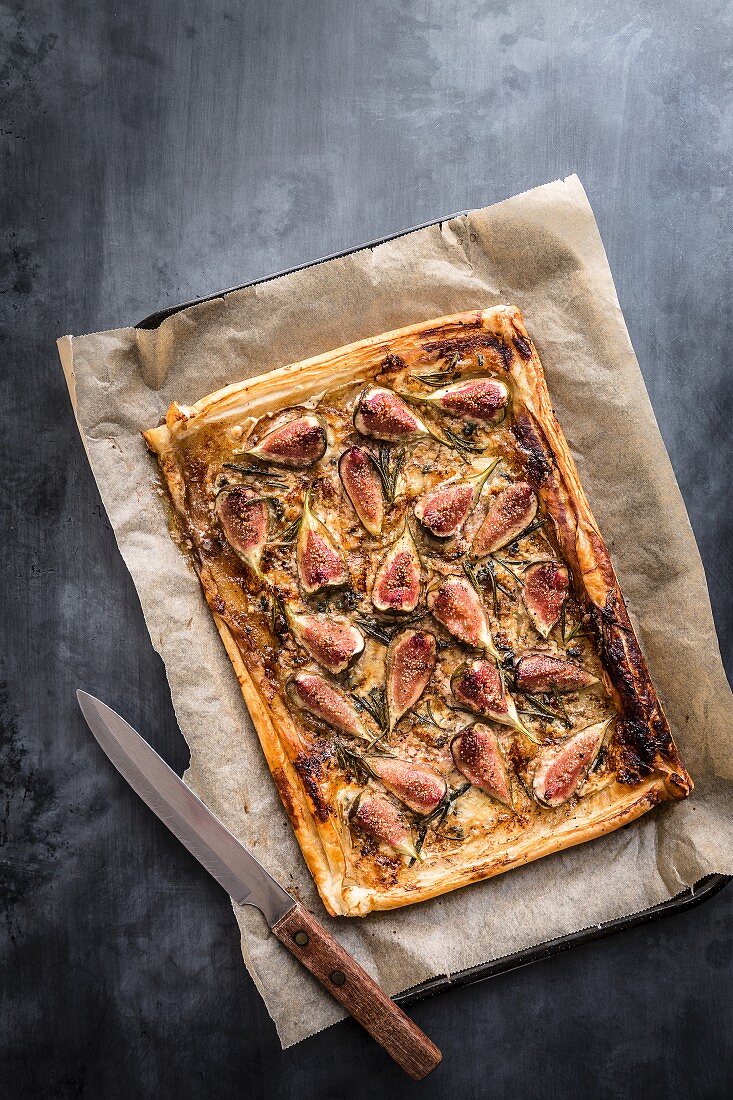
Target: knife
x=248, y=883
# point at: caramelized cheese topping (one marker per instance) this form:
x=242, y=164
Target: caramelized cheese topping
x=369, y=631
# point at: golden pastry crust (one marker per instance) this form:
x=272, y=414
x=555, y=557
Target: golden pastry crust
x=352, y=877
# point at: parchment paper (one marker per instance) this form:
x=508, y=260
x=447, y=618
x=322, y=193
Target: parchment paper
x=541, y=251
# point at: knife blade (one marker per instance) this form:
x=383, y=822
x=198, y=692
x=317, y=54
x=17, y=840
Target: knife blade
x=193, y=823
x=247, y=882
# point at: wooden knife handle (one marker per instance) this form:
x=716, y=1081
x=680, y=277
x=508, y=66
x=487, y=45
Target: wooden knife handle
x=360, y=995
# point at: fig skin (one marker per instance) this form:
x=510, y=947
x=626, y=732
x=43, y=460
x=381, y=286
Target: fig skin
x=411, y=659
x=245, y=525
x=420, y=788
x=377, y=818
x=363, y=486
x=545, y=588
x=444, y=510
x=479, y=687
x=297, y=443
x=320, y=563
x=510, y=512
x=561, y=769
x=398, y=579
x=314, y=694
x=330, y=639
x=478, y=756
x=457, y=606
x=380, y=413
x=475, y=400
x=545, y=672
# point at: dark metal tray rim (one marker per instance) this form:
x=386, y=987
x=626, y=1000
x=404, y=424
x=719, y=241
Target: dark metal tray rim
x=694, y=895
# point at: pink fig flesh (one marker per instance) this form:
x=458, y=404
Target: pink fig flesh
x=545, y=589
x=477, y=400
x=457, y=606
x=419, y=787
x=477, y=755
x=545, y=672
x=331, y=640
x=320, y=564
x=479, y=687
x=444, y=510
x=297, y=443
x=411, y=659
x=363, y=487
x=244, y=519
x=511, y=512
x=382, y=414
x=397, y=580
x=377, y=818
x=321, y=699
x=562, y=768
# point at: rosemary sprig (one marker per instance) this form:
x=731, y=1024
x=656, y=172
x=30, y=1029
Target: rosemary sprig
x=479, y=579
x=458, y=443
x=437, y=815
x=538, y=709
x=442, y=375
x=375, y=704
x=576, y=631
x=434, y=378
x=384, y=632
x=278, y=619
x=422, y=832
x=388, y=464
x=535, y=525
x=268, y=476
x=473, y=577
x=350, y=760
x=290, y=533
x=442, y=810
x=504, y=564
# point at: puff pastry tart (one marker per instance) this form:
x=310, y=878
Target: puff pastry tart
x=420, y=609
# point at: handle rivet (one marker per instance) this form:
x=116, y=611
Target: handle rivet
x=301, y=938
x=338, y=977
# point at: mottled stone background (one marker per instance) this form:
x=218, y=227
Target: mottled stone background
x=155, y=151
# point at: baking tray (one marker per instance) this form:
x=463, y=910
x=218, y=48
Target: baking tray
x=695, y=895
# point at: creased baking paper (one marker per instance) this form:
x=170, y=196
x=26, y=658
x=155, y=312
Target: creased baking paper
x=540, y=251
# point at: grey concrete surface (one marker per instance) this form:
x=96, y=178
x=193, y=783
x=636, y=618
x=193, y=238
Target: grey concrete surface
x=153, y=151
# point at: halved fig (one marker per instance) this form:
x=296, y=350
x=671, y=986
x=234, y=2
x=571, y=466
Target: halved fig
x=363, y=485
x=397, y=580
x=245, y=521
x=319, y=561
x=331, y=640
x=545, y=672
x=419, y=787
x=562, y=768
x=476, y=400
x=457, y=606
x=445, y=509
x=511, y=512
x=545, y=589
x=381, y=414
x=380, y=820
x=411, y=659
x=323, y=700
x=297, y=443
x=477, y=755
x=478, y=686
